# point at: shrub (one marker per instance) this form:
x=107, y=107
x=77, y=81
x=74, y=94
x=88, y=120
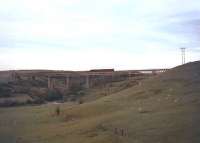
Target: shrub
x=80, y=101
x=10, y=103
x=53, y=95
x=5, y=90
x=57, y=111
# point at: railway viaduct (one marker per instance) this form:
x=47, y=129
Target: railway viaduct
x=85, y=79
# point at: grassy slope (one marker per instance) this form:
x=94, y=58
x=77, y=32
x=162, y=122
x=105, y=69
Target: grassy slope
x=164, y=109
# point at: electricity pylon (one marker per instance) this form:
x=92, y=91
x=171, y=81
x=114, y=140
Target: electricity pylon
x=183, y=55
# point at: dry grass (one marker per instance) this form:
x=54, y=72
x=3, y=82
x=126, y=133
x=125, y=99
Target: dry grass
x=164, y=109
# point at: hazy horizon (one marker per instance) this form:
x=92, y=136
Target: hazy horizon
x=91, y=34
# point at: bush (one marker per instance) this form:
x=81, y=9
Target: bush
x=5, y=90
x=10, y=103
x=53, y=95
x=57, y=111
x=29, y=101
x=80, y=101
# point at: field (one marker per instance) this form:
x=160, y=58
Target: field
x=161, y=109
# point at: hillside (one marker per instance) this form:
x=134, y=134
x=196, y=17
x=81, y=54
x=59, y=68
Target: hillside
x=162, y=109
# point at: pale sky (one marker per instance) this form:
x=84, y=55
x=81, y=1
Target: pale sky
x=90, y=34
